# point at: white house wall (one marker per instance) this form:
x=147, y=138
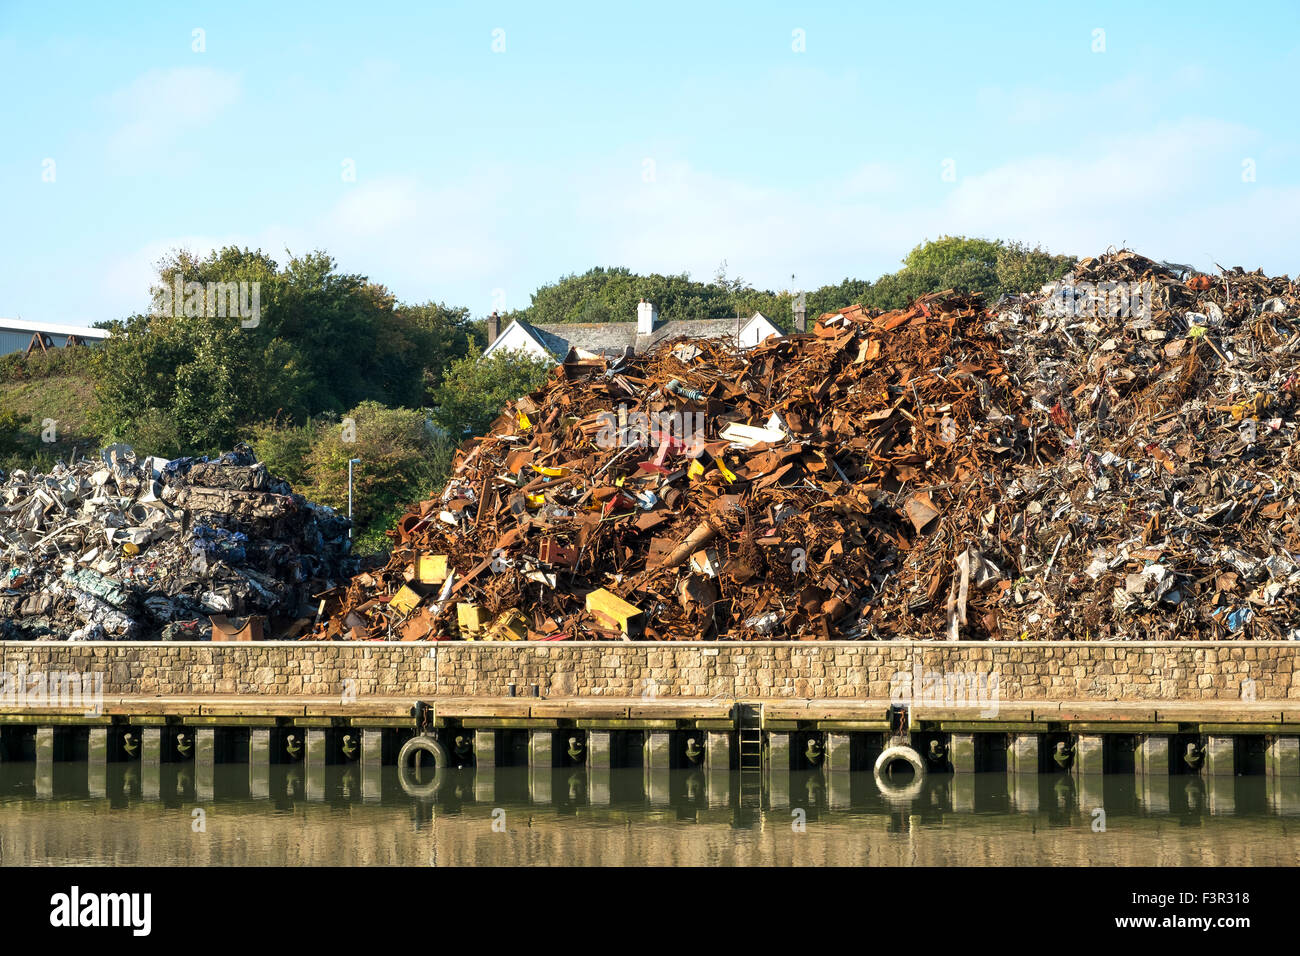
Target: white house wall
x=515, y=338
x=756, y=330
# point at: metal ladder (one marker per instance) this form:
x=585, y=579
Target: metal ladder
x=749, y=739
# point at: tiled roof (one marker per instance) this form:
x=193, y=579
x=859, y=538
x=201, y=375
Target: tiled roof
x=613, y=338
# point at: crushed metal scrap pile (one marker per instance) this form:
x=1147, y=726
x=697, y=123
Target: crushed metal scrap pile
x=1057, y=466
x=1172, y=512
x=118, y=548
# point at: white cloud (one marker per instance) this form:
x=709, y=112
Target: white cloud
x=160, y=109
x=1173, y=192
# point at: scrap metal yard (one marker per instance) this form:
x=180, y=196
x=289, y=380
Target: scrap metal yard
x=1112, y=458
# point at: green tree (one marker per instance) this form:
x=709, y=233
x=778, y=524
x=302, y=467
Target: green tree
x=322, y=341
x=475, y=389
x=399, y=461
x=992, y=267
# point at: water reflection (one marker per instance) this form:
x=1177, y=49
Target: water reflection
x=305, y=813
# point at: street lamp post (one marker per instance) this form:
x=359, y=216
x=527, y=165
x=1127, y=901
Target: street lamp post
x=351, y=462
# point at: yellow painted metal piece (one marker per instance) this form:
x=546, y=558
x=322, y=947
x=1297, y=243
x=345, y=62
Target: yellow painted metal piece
x=405, y=600
x=611, y=609
x=470, y=618
x=509, y=626
x=432, y=568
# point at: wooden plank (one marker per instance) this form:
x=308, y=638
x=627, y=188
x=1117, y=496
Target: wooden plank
x=222, y=721
x=992, y=726
x=510, y=723
x=1252, y=727
x=991, y=711
x=1123, y=727
x=485, y=708
x=386, y=721
x=359, y=708
x=574, y=709
x=781, y=724
x=710, y=723
x=862, y=726
x=56, y=720
x=685, y=710
x=1103, y=712
x=265, y=707
x=643, y=723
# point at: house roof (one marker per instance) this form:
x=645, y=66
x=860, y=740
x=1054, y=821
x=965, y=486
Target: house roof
x=614, y=338
x=50, y=328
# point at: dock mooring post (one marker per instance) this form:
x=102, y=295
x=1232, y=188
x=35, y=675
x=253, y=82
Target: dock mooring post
x=658, y=750
x=778, y=752
x=1220, y=756
x=1022, y=755
x=45, y=763
x=1089, y=754
x=598, y=749
x=598, y=763
x=1151, y=758
x=372, y=748
x=541, y=749
x=961, y=753
x=315, y=758
x=372, y=764
x=45, y=744
x=838, y=756
x=97, y=762
x=1282, y=757
x=151, y=746
x=778, y=769
x=717, y=751
x=205, y=746
x=485, y=749
x=259, y=763
x=1151, y=767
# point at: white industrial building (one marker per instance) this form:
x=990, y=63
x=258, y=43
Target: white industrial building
x=19, y=335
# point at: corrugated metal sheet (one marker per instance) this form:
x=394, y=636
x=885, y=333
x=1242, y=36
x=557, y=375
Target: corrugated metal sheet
x=12, y=340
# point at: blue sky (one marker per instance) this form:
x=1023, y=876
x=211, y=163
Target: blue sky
x=664, y=137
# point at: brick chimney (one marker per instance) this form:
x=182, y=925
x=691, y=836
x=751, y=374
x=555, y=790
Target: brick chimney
x=646, y=318
x=493, y=327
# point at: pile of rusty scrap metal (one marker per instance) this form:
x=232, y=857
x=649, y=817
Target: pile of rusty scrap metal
x=826, y=485
x=1111, y=458
x=118, y=548
x=1170, y=511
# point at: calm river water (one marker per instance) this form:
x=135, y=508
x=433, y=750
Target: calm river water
x=61, y=814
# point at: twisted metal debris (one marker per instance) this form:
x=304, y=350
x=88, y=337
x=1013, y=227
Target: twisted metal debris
x=119, y=548
x=1110, y=458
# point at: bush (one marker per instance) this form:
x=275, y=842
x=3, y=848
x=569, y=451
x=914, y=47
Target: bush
x=474, y=390
x=11, y=424
x=20, y=367
x=285, y=448
x=155, y=432
x=397, y=466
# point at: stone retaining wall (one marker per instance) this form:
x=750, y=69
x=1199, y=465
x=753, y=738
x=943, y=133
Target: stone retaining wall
x=833, y=670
